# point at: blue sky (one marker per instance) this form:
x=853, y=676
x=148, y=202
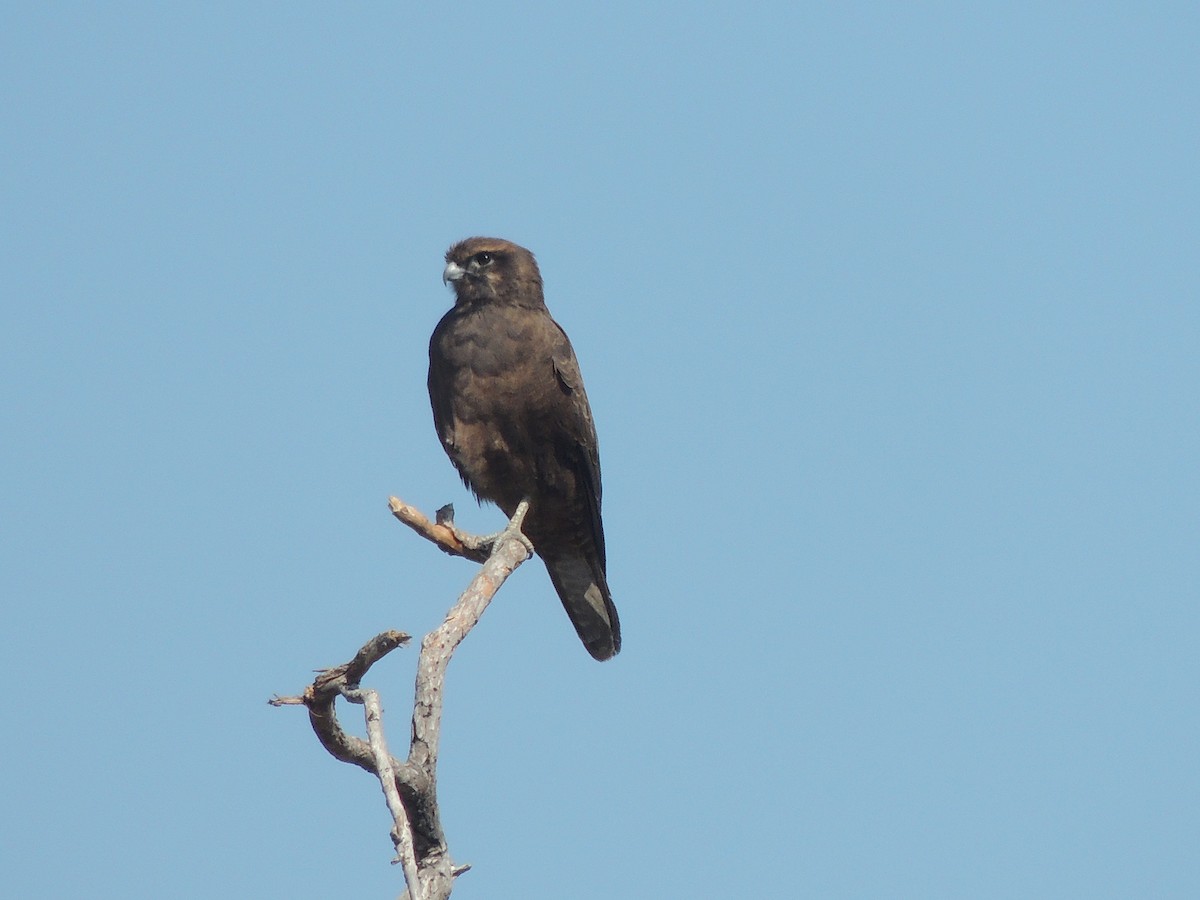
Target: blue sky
x=889, y=321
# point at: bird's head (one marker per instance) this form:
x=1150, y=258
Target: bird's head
x=492, y=270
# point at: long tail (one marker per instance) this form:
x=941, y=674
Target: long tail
x=584, y=593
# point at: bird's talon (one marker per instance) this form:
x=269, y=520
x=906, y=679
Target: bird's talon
x=520, y=536
x=476, y=542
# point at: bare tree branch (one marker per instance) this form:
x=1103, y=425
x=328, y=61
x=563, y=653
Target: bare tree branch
x=410, y=786
x=509, y=551
x=402, y=837
x=441, y=532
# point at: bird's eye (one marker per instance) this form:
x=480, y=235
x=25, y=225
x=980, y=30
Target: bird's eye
x=483, y=259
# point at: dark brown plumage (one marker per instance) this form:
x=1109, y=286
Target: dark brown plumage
x=510, y=409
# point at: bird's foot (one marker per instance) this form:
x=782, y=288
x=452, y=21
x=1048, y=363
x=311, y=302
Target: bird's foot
x=513, y=528
x=475, y=544
x=479, y=543
x=484, y=543
x=514, y=531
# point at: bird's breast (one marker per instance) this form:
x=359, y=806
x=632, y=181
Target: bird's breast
x=498, y=374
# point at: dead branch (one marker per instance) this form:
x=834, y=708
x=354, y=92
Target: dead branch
x=410, y=786
x=402, y=837
x=441, y=532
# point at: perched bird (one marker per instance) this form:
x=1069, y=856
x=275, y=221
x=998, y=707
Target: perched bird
x=510, y=409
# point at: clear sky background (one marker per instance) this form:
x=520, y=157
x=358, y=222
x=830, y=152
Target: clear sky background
x=888, y=315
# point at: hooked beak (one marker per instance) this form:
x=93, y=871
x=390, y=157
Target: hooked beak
x=452, y=272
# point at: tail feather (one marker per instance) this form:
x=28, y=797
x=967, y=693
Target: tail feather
x=585, y=596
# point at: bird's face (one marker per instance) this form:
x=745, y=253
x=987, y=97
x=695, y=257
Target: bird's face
x=486, y=270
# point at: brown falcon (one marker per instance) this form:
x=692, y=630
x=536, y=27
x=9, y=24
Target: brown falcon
x=510, y=409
